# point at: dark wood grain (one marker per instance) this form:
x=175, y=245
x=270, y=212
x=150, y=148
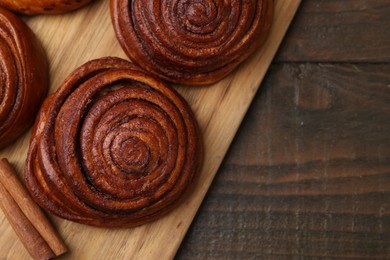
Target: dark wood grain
x=343, y=31
x=308, y=175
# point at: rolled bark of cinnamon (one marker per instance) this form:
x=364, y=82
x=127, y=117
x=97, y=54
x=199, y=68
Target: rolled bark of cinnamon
x=27, y=219
x=30, y=237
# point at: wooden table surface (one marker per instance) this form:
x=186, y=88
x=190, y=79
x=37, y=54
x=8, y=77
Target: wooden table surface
x=308, y=175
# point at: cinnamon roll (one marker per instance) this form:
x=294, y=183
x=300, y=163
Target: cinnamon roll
x=113, y=147
x=192, y=42
x=30, y=7
x=23, y=77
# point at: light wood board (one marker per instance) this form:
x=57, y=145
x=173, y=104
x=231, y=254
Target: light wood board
x=73, y=39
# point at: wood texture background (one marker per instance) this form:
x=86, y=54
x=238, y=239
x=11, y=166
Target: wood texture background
x=72, y=39
x=308, y=174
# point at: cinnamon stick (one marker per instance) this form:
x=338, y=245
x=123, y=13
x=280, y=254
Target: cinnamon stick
x=30, y=237
x=29, y=209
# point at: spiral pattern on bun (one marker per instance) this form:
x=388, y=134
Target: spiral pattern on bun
x=31, y=7
x=23, y=77
x=113, y=147
x=192, y=42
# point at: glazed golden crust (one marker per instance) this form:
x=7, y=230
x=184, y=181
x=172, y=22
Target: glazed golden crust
x=23, y=77
x=113, y=147
x=30, y=7
x=192, y=42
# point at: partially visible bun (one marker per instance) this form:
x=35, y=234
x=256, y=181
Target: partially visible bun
x=30, y=7
x=24, y=77
x=192, y=42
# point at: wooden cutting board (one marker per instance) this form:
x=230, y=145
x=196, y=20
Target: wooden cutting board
x=75, y=38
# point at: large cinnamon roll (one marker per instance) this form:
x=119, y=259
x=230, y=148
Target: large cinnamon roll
x=30, y=7
x=23, y=77
x=193, y=42
x=113, y=147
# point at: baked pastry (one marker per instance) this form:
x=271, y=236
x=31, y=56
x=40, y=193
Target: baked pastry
x=192, y=42
x=23, y=77
x=30, y=7
x=113, y=147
